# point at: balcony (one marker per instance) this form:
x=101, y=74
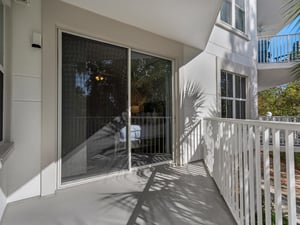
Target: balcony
x=250, y=175
x=276, y=55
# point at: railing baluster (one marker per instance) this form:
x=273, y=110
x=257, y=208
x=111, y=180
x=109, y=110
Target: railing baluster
x=258, y=175
x=241, y=189
x=232, y=165
x=266, y=149
x=236, y=169
x=290, y=169
x=223, y=163
x=277, y=175
x=246, y=173
x=251, y=176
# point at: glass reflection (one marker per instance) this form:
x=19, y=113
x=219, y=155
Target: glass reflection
x=94, y=102
x=150, y=109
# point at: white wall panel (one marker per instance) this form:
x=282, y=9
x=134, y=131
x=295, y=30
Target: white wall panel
x=26, y=88
x=23, y=165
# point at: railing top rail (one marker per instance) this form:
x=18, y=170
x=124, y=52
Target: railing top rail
x=269, y=124
x=276, y=35
x=280, y=117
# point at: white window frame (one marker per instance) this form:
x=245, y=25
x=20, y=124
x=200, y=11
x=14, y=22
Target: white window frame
x=2, y=68
x=233, y=17
x=3, y=38
x=234, y=99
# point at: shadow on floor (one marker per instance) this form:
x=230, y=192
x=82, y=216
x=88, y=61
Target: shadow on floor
x=160, y=195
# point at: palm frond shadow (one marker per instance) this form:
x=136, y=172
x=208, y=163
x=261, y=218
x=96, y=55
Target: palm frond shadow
x=171, y=195
x=192, y=100
x=295, y=70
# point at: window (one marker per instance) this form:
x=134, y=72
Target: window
x=233, y=95
x=233, y=13
x=226, y=12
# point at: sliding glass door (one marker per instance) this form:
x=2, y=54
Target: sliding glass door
x=94, y=122
x=151, y=79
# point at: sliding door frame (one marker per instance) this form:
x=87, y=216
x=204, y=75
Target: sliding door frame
x=60, y=185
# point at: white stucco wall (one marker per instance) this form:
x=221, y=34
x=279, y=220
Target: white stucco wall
x=226, y=50
x=96, y=26
x=22, y=168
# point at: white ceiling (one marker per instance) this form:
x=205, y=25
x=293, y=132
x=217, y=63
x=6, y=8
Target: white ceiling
x=270, y=19
x=186, y=21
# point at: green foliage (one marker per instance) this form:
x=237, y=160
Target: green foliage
x=292, y=11
x=285, y=220
x=281, y=101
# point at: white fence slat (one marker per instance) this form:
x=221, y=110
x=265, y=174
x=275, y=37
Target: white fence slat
x=290, y=169
x=277, y=176
x=266, y=149
x=232, y=186
x=241, y=189
x=246, y=173
x=251, y=176
x=236, y=169
x=258, y=175
x=226, y=161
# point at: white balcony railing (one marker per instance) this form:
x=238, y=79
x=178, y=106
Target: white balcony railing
x=279, y=48
x=256, y=179
x=288, y=119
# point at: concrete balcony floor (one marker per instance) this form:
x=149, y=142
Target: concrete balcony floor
x=161, y=195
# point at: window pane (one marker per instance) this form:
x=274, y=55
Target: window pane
x=229, y=109
x=240, y=19
x=94, y=104
x=240, y=3
x=243, y=88
x=224, y=108
x=150, y=109
x=238, y=110
x=237, y=86
x=226, y=12
x=243, y=110
x=229, y=85
x=1, y=33
x=223, y=84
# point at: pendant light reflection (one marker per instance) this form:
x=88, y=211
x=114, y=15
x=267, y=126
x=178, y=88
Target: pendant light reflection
x=99, y=78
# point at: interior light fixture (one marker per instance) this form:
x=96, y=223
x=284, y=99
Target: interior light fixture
x=99, y=78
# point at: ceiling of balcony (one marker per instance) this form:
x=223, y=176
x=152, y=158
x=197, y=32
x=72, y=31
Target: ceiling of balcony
x=186, y=21
x=270, y=18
